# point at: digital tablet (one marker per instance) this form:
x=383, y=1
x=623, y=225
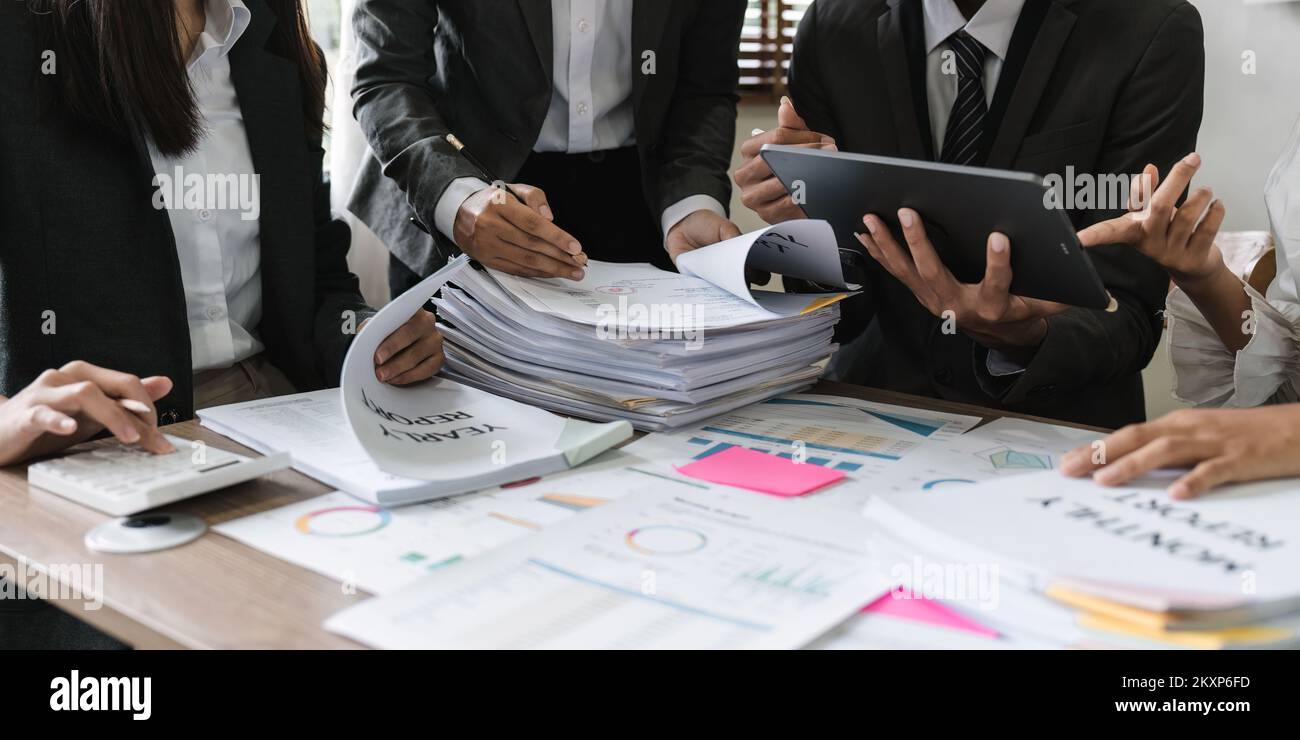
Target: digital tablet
x=960, y=207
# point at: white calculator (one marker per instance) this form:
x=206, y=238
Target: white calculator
x=122, y=480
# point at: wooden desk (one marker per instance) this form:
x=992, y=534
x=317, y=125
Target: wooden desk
x=215, y=592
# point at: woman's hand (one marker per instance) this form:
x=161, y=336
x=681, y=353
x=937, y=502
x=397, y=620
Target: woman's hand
x=1221, y=446
x=74, y=403
x=412, y=353
x=1179, y=239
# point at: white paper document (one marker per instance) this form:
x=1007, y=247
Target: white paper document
x=804, y=249
x=711, y=291
x=868, y=442
x=999, y=449
x=655, y=569
x=380, y=550
x=1236, y=548
x=441, y=430
x=312, y=429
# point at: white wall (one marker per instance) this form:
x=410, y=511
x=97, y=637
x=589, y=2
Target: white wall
x=1248, y=118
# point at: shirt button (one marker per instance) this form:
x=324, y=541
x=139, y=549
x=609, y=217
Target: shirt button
x=205, y=215
x=582, y=109
x=584, y=26
x=215, y=312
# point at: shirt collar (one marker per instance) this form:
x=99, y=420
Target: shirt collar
x=226, y=21
x=993, y=25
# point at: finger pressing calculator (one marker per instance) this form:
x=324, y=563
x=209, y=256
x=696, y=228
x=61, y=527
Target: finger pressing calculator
x=122, y=480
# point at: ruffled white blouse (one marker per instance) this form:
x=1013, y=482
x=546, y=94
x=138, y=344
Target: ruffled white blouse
x=1267, y=371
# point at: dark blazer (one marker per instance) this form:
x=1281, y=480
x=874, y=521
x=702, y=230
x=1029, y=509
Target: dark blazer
x=79, y=235
x=482, y=70
x=1103, y=86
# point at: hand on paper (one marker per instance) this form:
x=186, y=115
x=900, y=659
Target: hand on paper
x=760, y=190
x=1219, y=445
x=412, y=353
x=74, y=403
x=987, y=311
x=699, y=229
x=1180, y=239
x=502, y=233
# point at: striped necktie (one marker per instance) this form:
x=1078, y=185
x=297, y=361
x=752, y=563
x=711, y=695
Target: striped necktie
x=961, y=142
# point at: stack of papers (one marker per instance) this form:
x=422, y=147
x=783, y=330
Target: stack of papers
x=400, y=445
x=658, y=349
x=1066, y=562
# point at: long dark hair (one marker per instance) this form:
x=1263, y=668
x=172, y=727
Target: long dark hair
x=121, y=64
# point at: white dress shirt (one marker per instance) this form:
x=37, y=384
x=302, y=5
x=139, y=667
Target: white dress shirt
x=219, y=248
x=993, y=25
x=1268, y=369
x=591, y=102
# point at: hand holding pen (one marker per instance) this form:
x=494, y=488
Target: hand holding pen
x=510, y=228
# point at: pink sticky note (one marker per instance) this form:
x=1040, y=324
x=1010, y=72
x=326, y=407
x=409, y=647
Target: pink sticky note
x=756, y=471
x=912, y=608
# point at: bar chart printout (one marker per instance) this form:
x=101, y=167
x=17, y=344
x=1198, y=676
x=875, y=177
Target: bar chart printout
x=846, y=434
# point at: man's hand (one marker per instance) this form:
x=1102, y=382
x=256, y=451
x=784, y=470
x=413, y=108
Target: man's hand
x=987, y=311
x=519, y=238
x=412, y=353
x=700, y=229
x=760, y=190
x=1221, y=446
x=74, y=403
x=1181, y=240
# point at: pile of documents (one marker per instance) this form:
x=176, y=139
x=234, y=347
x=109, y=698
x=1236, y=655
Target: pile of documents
x=658, y=349
x=400, y=445
x=1066, y=562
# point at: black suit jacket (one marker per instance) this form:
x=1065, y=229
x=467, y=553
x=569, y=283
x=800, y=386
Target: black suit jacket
x=482, y=69
x=82, y=244
x=1103, y=86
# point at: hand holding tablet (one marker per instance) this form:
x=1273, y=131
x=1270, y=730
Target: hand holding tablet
x=986, y=311
x=957, y=210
